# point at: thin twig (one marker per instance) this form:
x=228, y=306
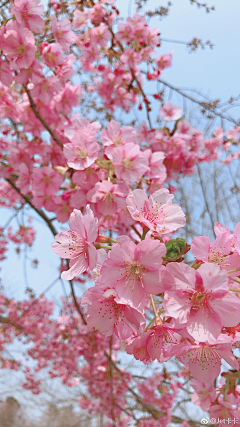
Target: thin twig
x=39, y=211
x=40, y=118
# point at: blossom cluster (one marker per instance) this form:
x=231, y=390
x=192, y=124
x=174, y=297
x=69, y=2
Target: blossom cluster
x=199, y=319
x=111, y=180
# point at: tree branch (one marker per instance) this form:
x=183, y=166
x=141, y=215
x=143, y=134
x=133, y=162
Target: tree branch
x=40, y=118
x=217, y=113
x=39, y=211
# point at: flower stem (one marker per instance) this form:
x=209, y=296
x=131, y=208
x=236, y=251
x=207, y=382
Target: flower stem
x=234, y=280
x=99, y=246
x=153, y=306
x=233, y=271
x=112, y=240
x=234, y=290
x=150, y=324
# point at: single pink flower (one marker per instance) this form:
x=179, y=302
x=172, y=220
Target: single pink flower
x=169, y=112
x=81, y=153
x=204, y=360
x=133, y=270
x=45, y=89
x=62, y=33
x=51, y=53
x=201, y=300
x=18, y=45
x=76, y=244
x=108, y=197
x=130, y=163
x=81, y=18
x=100, y=35
x=164, y=61
x=115, y=136
x=156, y=166
x=204, y=394
x=224, y=411
x=157, y=212
x=124, y=33
x=217, y=252
x=68, y=98
x=34, y=72
x=27, y=13
x=161, y=342
x=108, y=314
x=46, y=181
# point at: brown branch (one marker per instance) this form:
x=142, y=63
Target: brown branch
x=8, y=321
x=40, y=118
x=39, y=211
x=205, y=197
x=134, y=76
x=76, y=303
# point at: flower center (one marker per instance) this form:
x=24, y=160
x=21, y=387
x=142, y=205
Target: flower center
x=127, y=164
x=82, y=154
x=199, y=299
x=204, y=393
x=117, y=141
x=109, y=198
x=21, y=49
x=50, y=57
x=133, y=273
x=47, y=179
x=216, y=257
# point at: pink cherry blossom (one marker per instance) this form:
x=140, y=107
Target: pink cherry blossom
x=76, y=244
x=68, y=98
x=45, y=181
x=130, y=163
x=133, y=270
x=169, y=112
x=100, y=35
x=161, y=342
x=217, y=252
x=18, y=45
x=23, y=182
x=81, y=18
x=224, y=411
x=125, y=32
x=34, y=72
x=201, y=300
x=115, y=136
x=108, y=314
x=97, y=13
x=156, y=166
x=108, y=197
x=157, y=212
x=236, y=238
x=81, y=153
x=164, y=61
x=27, y=13
x=204, y=360
x=51, y=53
x=45, y=89
x=6, y=76
x=203, y=395
x=62, y=33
